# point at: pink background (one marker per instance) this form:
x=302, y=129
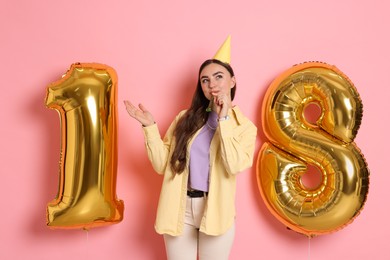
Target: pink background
x=156, y=48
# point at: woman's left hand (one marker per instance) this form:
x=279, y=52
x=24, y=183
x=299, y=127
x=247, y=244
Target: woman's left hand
x=222, y=103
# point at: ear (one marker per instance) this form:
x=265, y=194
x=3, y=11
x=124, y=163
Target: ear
x=233, y=82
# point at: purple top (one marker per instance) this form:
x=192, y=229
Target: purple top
x=200, y=155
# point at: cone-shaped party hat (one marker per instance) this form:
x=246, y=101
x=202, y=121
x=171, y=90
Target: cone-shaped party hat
x=223, y=54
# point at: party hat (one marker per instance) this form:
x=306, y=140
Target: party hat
x=223, y=54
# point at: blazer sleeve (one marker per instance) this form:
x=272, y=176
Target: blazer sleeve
x=237, y=144
x=158, y=149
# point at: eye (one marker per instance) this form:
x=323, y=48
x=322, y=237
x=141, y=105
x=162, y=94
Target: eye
x=219, y=76
x=204, y=81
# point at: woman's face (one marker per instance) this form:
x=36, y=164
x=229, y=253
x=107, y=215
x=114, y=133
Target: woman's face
x=215, y=80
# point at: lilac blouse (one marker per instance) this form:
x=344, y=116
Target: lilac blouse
x=200, y=155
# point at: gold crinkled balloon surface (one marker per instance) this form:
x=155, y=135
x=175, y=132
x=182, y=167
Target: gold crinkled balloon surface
x=327, y=144
x=86, y=100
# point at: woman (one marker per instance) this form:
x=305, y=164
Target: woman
x=200, y=155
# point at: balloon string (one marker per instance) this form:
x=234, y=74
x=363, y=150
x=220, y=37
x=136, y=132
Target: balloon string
x=87, y=242
x=309, y=249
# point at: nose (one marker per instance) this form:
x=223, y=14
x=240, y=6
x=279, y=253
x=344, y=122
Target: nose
x=212, y=84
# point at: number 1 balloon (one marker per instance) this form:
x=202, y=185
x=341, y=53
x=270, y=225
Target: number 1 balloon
x=85, y=99
x=327, y=144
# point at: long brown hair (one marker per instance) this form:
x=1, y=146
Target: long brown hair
x=193, y=119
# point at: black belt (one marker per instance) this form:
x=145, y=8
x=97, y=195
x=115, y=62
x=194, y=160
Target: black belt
x=196, y=193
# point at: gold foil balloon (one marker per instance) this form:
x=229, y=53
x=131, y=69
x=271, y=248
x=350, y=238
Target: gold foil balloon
x=86, y=99
x=326, y=144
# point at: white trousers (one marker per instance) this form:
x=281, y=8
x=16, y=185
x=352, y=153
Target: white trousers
x=192, y=243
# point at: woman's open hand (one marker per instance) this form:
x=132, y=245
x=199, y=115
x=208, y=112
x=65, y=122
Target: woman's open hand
x=141, y=114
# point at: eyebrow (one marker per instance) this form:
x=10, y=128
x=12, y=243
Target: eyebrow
x=215, y=74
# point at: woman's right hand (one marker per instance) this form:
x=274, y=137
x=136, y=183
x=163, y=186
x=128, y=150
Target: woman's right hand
x=141, y=114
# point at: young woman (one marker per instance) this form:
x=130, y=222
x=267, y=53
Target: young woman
x=202, y=151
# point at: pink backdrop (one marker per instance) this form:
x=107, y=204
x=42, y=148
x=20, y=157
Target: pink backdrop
x=156, y=49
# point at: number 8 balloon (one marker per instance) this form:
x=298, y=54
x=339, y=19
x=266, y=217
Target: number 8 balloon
x=327, y=144
x=86, y=101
